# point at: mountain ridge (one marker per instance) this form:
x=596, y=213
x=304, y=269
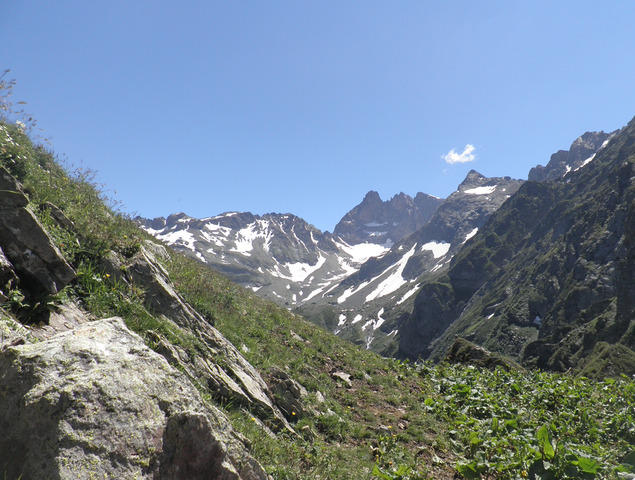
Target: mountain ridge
x=366, y=297
x=538, y=282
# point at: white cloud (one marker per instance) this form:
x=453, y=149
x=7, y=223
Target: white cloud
x=467, y=155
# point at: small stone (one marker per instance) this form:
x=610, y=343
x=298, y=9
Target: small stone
x=295, y=336
x=59, y=216
x=343, y=377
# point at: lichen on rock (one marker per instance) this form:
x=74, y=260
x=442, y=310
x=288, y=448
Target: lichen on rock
x=95, y=402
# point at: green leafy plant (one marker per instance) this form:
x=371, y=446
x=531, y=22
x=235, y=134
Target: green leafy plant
x=510, y=424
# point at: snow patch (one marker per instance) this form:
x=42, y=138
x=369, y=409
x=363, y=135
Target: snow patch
x=361, y=252
x=394, y=280
x=244, y=240
x=470, y=235
x=437, y=267
x=375, y=224
x=481, y=190
x=380, y=319
x=313, y=294
x=438, y=249
x=587, y=161
x=299, y=271
x=181, y=237
x=351, y=291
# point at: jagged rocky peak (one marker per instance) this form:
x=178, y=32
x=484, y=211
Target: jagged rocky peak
x=386, y=222
x=176, y=217
x=476, y=183
x=153, y=223
x=582, y=150
x=423, y=199
x=372, y=197
x=473, y=178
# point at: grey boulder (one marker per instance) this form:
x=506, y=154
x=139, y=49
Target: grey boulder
x=95, y=402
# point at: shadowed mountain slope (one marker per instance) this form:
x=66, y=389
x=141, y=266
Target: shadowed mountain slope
x=549, y=279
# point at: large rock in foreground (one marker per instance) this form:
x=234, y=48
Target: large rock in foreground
x=95, y=402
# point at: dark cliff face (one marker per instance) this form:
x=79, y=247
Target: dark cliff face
x=565, y=161
x=386, y=222
x=549, y=278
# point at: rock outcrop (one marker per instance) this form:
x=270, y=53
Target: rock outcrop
x=218, y=365
x=38, y=263
x=466, y=352
x=95, y=402
x=289, y=394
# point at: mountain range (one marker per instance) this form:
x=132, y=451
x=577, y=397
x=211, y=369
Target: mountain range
x=370, y=281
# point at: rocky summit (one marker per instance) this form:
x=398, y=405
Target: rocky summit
x=581, y=152
x=386, y=222
x=370, y=304
x=279, y=256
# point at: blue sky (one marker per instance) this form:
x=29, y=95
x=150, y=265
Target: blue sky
x=304, y=106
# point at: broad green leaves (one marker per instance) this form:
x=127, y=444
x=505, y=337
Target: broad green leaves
x=543, y=435
x=551, y=426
